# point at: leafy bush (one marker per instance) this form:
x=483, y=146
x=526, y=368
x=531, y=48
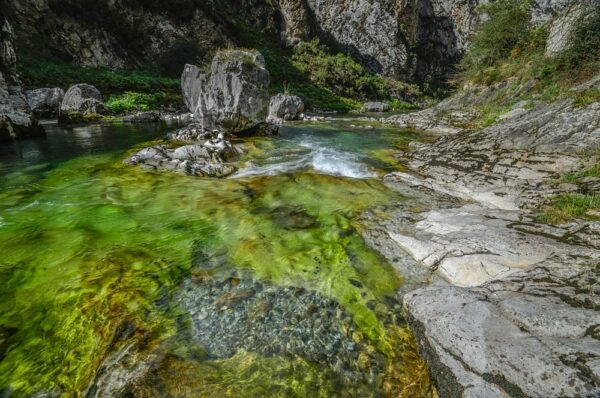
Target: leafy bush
x=506, y=27
x=132, y=101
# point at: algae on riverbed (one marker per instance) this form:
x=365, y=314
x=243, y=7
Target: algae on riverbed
x=91, y=247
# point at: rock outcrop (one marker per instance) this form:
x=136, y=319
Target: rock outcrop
x=411, y=39
x=206, y=154
x=81, y=102
x=233, y=95
x=516, y=163
x=283, y=107
x=534, y=333
x=16, y=120
x=45, y=102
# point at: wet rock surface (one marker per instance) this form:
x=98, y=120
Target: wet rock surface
x=208, y=154
x=233, y=95
x=235, y=317
x=534, y=333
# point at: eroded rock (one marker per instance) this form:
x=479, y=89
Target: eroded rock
x=375, y=107
x=233, y=95
x=16, y=120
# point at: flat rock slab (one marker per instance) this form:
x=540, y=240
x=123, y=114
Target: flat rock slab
x=535, y=333
x=471, y=245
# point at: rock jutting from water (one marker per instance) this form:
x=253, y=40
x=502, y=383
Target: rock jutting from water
x=81, y=102
x=283, y=107
x=233, y=95
x=45, y=102
x=207, y=153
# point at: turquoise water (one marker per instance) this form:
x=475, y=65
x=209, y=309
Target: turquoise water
x=88, y=245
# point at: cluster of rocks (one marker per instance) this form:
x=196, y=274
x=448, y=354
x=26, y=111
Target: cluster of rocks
x=231, y=98
x=207, y=153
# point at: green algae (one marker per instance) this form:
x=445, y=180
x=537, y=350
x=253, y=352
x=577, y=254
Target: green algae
x=91, y=245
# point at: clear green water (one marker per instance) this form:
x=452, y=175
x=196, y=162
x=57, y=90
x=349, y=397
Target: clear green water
x=88, y=244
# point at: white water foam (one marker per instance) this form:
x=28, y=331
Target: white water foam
x=319, y=158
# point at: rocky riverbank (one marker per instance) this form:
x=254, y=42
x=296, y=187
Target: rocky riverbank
x=513, y=307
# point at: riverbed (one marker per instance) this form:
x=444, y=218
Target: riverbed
x=122, y=281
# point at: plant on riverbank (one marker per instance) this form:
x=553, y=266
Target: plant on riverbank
x=134, y=101
x=571, y=206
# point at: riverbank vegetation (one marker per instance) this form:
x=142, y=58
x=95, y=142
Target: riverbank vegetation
x=510, y=51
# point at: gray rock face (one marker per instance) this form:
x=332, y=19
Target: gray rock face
x=516, y=163
x=208, y=154
x=284, y=107
x=381, y=34
x=45, y=102
x=233, y=95
x=472, y=245
x=376, y=107
x=81, y=100
x=561, y=30
x=534, y=333
x=16, y=120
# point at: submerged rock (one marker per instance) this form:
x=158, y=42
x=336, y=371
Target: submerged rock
x=207, y=155
x=16, y=120
x=229, y=316
x=285, y=107
x=233, y=95
x=45, y=102
x=81, y=102
x=534, y=333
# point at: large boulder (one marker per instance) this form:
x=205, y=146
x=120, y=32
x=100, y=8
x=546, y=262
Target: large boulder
x=285, y=107
x=45, y=102
x=81, y=102
x=16, y=120
x=232, y=95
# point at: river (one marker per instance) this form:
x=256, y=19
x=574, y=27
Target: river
x=118, y=281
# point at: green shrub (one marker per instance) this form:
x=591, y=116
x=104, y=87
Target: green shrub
x=506, y=27
x=132, y=101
